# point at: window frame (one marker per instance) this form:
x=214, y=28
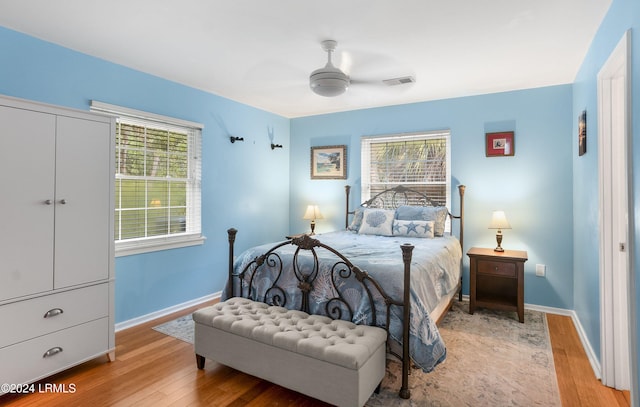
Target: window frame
x=194, y=208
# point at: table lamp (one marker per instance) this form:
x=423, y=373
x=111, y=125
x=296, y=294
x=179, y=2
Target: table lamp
x=313, y=213
x=499, y=221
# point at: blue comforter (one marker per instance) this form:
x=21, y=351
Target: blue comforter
x=435, y=272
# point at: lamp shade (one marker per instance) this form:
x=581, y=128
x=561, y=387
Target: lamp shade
x=499, y=221
x=312, y=212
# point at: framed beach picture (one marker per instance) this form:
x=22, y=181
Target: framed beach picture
x=500, y=144
x=329, y=162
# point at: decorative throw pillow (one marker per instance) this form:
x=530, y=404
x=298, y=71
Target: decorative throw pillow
x=377, y=222
x=408, y=212
x=357, y=219
x=413, y=228
x=438, y=214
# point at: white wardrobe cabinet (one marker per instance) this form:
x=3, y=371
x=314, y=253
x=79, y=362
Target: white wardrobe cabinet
x=56, y=245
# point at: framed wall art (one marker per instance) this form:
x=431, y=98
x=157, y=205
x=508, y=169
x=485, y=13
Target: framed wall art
x=329, y=162
x=582, y=133
x=500, y=144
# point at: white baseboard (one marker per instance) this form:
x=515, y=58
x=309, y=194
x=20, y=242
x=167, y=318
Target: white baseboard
x=593, y=359
x=550, y=310
x=161, y=313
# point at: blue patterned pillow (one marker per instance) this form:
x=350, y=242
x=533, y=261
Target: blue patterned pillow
x=413, y=228
x=438, y=214
x=377, y=222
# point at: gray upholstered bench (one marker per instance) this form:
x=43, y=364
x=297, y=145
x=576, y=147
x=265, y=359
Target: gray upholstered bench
x=265, y=327
x=345, y=361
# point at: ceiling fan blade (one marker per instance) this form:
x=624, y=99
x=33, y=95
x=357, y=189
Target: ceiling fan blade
x=373, y=68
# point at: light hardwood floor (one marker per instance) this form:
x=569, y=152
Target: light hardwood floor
x=578, y=385
x=152, y=369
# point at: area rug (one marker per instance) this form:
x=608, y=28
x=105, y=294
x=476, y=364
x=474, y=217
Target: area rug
x=181, y=328
x=492, y=360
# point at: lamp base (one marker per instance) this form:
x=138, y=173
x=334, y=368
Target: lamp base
x=499, y=240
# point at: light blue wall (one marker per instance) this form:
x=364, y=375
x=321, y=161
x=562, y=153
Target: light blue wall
x=245, y=185
x=622, y=16
x=534, y=187
x=549, y=194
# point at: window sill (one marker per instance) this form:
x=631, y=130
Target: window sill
x=131, y=247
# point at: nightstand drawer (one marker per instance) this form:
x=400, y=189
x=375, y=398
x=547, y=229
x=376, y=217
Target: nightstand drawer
x=497, y=268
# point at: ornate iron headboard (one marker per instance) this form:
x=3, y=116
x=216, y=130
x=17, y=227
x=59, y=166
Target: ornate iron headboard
x=397, y=196
x=400, y=195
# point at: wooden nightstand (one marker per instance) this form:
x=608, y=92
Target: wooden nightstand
x=497, y=280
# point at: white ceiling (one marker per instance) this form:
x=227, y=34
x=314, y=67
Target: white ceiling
x=261, y=52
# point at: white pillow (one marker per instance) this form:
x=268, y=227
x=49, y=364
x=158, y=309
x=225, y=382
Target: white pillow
x=413, y=228
x=377, y=222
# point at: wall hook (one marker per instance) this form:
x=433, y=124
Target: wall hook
x=234, y=139
x=271, y=137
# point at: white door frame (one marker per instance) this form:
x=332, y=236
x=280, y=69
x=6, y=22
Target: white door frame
x=614, y=169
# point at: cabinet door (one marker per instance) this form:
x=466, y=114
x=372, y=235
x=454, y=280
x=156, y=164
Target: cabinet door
x=27, y=166
x=83, y=201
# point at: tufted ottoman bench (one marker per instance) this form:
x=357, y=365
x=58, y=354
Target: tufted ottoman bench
x=332, y=360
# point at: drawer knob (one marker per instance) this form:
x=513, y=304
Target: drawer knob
x=53, y=312
x=52, y=351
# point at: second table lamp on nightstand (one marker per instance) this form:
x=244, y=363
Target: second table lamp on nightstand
x=312, y=213
x=499, y=221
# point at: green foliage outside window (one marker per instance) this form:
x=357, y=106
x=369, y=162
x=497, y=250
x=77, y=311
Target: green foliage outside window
x=151, y=187
x=418, y=164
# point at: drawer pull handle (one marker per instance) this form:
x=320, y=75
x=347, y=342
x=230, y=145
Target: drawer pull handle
x=52, y=351
x=53, y=312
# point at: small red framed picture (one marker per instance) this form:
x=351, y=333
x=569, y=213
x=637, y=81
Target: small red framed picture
x=500, y=144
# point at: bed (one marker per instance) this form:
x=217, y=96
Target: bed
x=372, y=243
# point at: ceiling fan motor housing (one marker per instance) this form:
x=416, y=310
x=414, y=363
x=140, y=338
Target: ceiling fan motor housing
x=329, y=81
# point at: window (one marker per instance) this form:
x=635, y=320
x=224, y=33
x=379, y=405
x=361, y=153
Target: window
x=157, y=181
x=419, y=161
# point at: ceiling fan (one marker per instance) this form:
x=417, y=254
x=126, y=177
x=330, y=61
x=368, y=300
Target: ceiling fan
x=330, y=81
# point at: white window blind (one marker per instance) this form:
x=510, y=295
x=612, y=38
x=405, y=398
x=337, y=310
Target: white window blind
x=157, y=181
x=420, y=161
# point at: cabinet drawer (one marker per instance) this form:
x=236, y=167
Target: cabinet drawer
x=25, y=362
x=26, y=319
x=497, y=268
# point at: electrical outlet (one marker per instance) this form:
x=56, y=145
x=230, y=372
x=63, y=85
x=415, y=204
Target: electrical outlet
x=540, y=270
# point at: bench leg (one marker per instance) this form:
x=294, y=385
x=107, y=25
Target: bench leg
x=200, y=361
